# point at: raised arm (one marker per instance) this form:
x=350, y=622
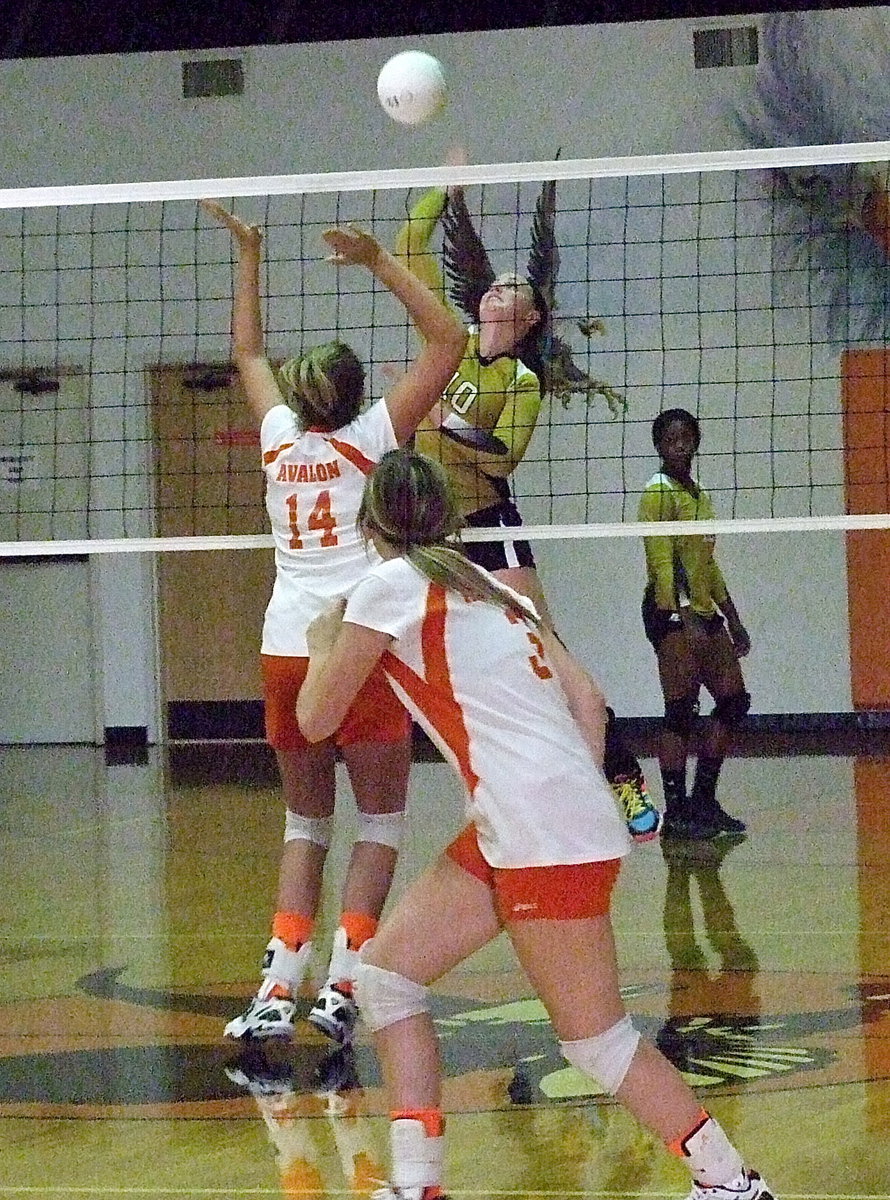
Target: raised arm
x=463, y=251
x=413, y=239
x=444, y=335
x=248, y=343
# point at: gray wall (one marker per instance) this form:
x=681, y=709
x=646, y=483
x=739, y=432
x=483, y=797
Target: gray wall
x=515, y=96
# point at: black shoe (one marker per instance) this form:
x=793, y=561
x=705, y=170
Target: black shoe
x=706, y=808
x=725, y=823
x=690, y=829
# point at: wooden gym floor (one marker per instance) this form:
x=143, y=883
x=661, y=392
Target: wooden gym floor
x=135, y=908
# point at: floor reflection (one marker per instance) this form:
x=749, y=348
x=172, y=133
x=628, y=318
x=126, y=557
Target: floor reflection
x=276, y=1078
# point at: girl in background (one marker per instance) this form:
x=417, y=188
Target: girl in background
x=698, y=638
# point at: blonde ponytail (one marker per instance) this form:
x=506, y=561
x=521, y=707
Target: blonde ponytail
x=410, y=504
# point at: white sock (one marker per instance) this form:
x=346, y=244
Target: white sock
x=283, y=967
x=343, y=960
x=417, y=1158
x=710, y=1155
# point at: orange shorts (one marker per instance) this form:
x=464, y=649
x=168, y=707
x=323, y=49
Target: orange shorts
x=376, y=714
x=556, y=893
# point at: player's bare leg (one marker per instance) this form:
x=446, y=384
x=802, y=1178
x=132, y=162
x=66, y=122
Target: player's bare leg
x=378, y=772
x=308, y=782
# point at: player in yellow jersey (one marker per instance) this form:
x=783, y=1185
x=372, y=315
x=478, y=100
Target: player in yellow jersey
x=481, y=428
x=692, y=623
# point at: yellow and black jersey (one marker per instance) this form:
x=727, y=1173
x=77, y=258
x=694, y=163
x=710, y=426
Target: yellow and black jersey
x=681, y=568
x=489, y=412
x=489, y=408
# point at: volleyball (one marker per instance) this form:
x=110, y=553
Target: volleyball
x=411, y=87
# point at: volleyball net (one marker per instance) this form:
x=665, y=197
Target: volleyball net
x=750, y=288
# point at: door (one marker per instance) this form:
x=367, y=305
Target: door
x=211, y=602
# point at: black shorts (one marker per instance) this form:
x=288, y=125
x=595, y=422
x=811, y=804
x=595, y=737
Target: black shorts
x=498, y=556
x=657, y=625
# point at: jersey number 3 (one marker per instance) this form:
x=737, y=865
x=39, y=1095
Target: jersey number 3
x=539, y=665
x=538, y=660
x=321, y=518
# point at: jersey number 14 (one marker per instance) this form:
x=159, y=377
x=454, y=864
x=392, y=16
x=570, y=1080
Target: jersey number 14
x=320, y=517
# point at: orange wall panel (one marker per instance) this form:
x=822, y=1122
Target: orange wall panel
x=865, y=394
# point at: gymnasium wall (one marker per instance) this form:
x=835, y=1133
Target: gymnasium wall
x=516, y=95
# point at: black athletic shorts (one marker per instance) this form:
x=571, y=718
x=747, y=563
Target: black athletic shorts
x=657, y=623
x=498, y=556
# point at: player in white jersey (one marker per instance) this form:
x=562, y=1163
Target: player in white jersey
x=523, y=723
x=481, y=430
x=317, y=448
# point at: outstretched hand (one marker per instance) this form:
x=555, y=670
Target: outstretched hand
x=247, y=236
x=456, y=157
x=352, y=247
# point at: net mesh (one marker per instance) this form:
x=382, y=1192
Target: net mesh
x=728, y=285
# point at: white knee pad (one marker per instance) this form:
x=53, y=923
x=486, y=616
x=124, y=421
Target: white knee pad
x=385, y=997
x=385, y=828
x=307, y=829
x=607, y=1056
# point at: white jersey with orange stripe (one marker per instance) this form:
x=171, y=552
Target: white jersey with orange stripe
x=314, y=485
x=477, y=679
